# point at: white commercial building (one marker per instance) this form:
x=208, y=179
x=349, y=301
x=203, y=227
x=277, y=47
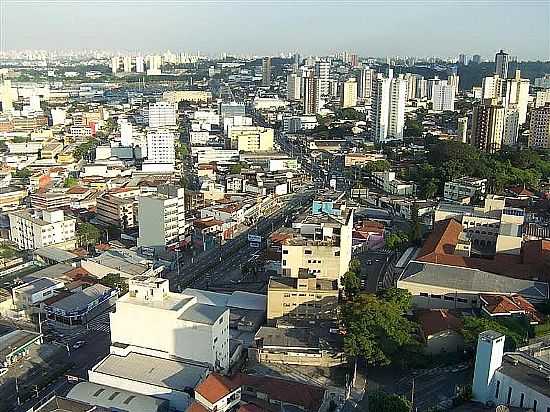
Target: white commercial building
x=161, y=217
x=209, y=154
x=388, y=108
x=443, y=96
x=251, y=138
x=322, y=72
x=160, y=147
x=293, y=86
x=364, y=83
x=515, y=94
x=162, y=114
x=160, y=323
x=36, y=229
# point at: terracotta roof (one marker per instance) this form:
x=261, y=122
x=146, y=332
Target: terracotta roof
x=207, y=222
x=437, y=320
x=102, y=247
x=509, y=304
x=77, y=190
x=77, y=273
x=196, y=407
x=521, y=191
x=249, y=407
x=216, y=387
x=442, y=240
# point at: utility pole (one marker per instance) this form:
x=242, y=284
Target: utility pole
x=412, y=396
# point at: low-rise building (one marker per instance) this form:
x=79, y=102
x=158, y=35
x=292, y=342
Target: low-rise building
x=32, y=229
x=464, y=189
x=16, y=344
x=250, y=138
x=388, y=182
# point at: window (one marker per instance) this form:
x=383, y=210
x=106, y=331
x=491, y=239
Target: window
x=521, y=400
x=337, y=253
x=509, y=397
x=284, y=262
x=497, y=390
x=436, y=296
x=462, y=300
x=449, y=298
x=221, y=320
x=285, y=252
x=535, y=405
x=424, y=294
x=307, y=252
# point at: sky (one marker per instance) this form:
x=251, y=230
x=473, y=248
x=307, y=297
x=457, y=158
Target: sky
x=265, y=27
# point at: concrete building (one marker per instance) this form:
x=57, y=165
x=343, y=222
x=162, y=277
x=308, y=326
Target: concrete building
x=162, y=114
x=311, y=93
x=488, y=126
x=501, y=64
x=177, y=325
x=266, y=72
x=388, y=108
x=161, y=217
x=31, y=229
x=116, y=210
x=250, y=138
x=296, y=124
x=510, y=130
x=515, y=379
x=301, y=298
x=293, y=87
x=464, y=189
x=365, y=80
x=320, y=246
x=539, y=136
x=349, y=93
x=161, y=147
x=443, y=96
x=515, y=95
x=491, y=87
x=463, y=129
x=388, y=182
x=322, y=73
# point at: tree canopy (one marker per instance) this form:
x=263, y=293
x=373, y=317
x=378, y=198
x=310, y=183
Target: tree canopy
x=115, y=281
x=70, y=182
x=88, y=234
x=397, y=240
x=382, y=402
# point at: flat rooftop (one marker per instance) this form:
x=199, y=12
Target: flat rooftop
x=201, y=313
x=13, y=341
x=529, y=371
x=166, y=373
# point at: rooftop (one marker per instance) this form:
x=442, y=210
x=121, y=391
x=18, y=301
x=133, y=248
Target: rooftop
x=215, y=387
x=165, y=373
x=287, y=337
x=14, y=340
x=527, y=370
x=200, y=313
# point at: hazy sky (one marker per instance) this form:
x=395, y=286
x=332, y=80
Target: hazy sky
x=370, y=27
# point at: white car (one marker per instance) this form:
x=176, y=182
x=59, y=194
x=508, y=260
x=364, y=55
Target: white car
x=79, y=344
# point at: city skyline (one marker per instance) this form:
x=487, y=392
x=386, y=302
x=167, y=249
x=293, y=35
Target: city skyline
x=264, y=28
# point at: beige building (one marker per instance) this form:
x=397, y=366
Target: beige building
x=349, y=93
x=488, y=126
x=116, y=210
x=251, y=138
x=303, y=298
x=195, y=96
x=539, y=136
x=321, y=246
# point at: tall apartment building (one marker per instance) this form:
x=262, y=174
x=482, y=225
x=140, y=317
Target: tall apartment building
x=487, y=126
x=266, y=71
x=491, y=87
x=453, y=80
x=151, y=320
x=501, y=64
x=160, y=146
x=421, y=87
x=515, y=95
x=322, y=72
x=443, y=96
x=476, y=59
x=539, y=136
x=293, y=86
x=321, y=246
x=116, y=210
x=34, y=229
x=388, y=108
x=162, y=114
x=510, y=130
x=364, y=82
x=250, y=138
x=349, y=93
x=463, y=129
x=161, y=217
x=310, y=93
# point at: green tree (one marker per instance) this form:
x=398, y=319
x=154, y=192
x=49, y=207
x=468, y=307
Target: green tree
x=88, y=234
x=115, y=281
x=401, y=298
x=376, y=330
x=396, y=240
x=182, y=151
x=382, y=402
x=474, y=325
x=22, y=173
x=235, y=169
x=413, y=128
x=70, y=182
x=351, y=283
x=355, y=266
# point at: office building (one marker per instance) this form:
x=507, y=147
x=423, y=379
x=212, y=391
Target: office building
x=140, y=64
x=266, y=72
x=476, y=59
x=115, y=210
x=156, y=322
x=310, y=93
x=514, y=379
x=34, y=229
x=511, y=127
x=539, y=136
x=501, y=64
x=160, y=147
x=487, y=126
x=250, y=138
x=293, y=86
x=364, y=82
x=349, y=93
x=515, y=95
x=491, y=87
x=462, y=59
x=161, y=218
x=542, y=97
x=162, y=114
x=388, y=108
x=421, y=88
x=453, y=80
x=322, y=73
x=464, y=189
x=463, y=129
x=443, y=96
x=231, y=109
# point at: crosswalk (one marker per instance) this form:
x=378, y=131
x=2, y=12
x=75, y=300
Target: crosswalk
x=100, y=323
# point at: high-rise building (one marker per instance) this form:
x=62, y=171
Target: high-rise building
x=6, y=97
x=463, y=129
x=488, y=125
x=411, y=85
x=515, y=94
x=462, y=59
x=443, y=96
x=354, y=60
x=127, y=64
x=349, y=93
x=160, y=147
x=431, y=84
x=364, y=82
x=140, y=64
x=491, y=87
x=388, y=108
x=293, y=86
x=161, y=217
x=421, y=87
x=266, y=72
x=511, y=127
x=539, y=136
x=476, y=59
x=322, y=72
x=310, y=93
x=501, y=64
x=162, y=114
x=453, y=80
x=250, y=138
x=115, y=62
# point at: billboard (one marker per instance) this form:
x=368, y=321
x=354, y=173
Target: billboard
x=254, y=238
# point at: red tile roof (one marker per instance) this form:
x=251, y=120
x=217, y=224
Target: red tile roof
x=196, y=407
x=216, y=387
x=249, y=407
x=438, y=320
x=509, y=304
x=521, y=191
